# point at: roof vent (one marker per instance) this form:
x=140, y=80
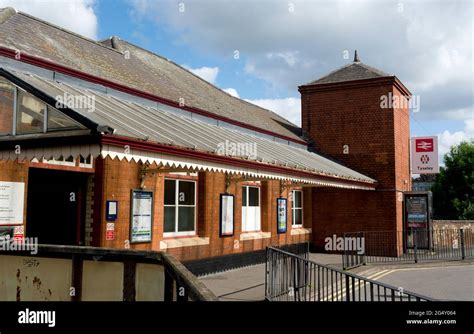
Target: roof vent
x=356, y=57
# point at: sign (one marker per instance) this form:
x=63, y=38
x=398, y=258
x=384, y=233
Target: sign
x=19, y=233
x=281, y=215
x=417, y=211
x=141, y=216
x=424, y=155
x=110, y=231
x=226, y=215
x=418, y=219
x=111, y=210
x=12, y=196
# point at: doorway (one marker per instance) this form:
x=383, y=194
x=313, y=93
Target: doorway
x=56, y=206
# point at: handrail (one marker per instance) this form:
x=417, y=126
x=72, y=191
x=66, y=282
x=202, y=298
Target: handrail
x=342, y=274
x=180, y=283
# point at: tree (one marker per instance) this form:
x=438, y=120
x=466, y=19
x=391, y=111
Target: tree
x=453, y=192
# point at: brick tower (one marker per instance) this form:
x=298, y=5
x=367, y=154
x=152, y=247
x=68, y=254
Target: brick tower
x=343, y=116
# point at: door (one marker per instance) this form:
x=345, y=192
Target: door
x=56, y=206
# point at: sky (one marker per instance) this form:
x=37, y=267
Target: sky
x=262, y=50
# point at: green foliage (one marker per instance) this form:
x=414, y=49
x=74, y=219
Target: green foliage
x=453, y=193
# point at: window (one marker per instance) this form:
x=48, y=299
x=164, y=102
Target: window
x=59, y=121
x=7, y=94
x=250, y=209
x=180, y=208
x=30, y=114
x=297, y=208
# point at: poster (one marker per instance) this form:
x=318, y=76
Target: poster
x=227, y=215
x=111, y=210
x=12, y=196
x=281, y=215
x=142, y=216
x=424, y=155
x=417, y=211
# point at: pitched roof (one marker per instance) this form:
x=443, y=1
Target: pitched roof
x=350, y=72
x=143, y=70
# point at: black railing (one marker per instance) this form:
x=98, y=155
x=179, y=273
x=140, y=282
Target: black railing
x=290, y=277
x=409, y=246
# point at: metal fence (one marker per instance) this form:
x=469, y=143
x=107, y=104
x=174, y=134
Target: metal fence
x=290, y=277
x=408, y=246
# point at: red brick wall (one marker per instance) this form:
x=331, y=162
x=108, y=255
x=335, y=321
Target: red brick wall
x=378, y=142
x=119, y=177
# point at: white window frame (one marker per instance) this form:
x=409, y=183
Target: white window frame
x=293, y=208
x=245, y=229
x=177, y=206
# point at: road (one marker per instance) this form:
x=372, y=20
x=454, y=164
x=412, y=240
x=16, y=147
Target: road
x=454, y=282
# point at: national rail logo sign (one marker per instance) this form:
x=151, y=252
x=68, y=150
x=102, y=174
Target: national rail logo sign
x=424, y=155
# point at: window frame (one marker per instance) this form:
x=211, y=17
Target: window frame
x=17, y=91
x=246, y=187
x=176, y=233
x=293, y=208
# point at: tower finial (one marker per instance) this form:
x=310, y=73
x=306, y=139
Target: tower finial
x=356, y=57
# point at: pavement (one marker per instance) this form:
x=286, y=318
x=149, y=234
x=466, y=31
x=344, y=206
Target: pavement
x=248, y=283
x=453, y=280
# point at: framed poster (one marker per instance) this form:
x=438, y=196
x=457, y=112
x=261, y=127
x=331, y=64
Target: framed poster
x=226, y=214
x=141, y=216
x=12, y=196
x=417, y=219
x=281, y=215
x=111, y=210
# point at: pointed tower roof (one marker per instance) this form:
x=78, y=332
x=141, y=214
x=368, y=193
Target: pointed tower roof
x=353, y=71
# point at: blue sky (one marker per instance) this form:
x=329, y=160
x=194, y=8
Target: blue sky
x=282, y=44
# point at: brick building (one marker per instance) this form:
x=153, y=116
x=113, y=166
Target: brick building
x=103, y=143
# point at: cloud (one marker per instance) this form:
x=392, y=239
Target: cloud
x=288, y=48
x=446, y=139
x=232, y=91
x=207, y=73
x=75, y=15
x=289, y=108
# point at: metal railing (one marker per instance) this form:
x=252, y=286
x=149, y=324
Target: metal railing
x=409, y=246
x=290, y=277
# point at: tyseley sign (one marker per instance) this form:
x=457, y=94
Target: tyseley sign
x=424, y=155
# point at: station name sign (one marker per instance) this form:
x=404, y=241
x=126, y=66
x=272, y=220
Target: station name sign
x=424, y=155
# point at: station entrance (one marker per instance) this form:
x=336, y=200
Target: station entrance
x=56, y=206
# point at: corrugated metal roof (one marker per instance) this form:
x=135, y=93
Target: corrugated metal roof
x=133, y=120
x=134, y=67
